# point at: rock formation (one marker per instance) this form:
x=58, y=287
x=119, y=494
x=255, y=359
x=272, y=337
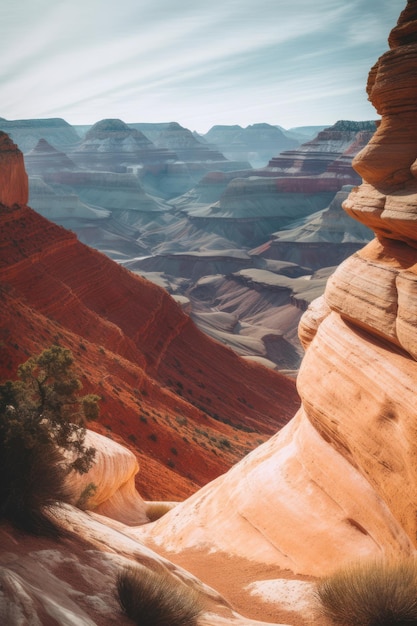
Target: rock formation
x=158, y=375
x=26, y=133
x=257, y=143
x=331, y=151
x=260, y=309
x=13, y=177
x=339, y=481
x=324, y=239
x=183, y=142
x=336, y=484
x=63, y=208
x=44, y=158
x=111, y=145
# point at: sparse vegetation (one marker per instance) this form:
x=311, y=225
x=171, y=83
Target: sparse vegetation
x=42, y=418
x=153, y=599
x=86, y=495
x=156, y=510
x=375, y=593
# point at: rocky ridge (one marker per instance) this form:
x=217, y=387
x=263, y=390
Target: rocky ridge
x=26, y=133
x=218, y=226
x=256, y=143
x=135, y=344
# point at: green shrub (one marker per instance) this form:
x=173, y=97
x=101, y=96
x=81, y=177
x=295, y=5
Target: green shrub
x=42, y=417
x=374, y=593
x=87, y=493
x=153, y=599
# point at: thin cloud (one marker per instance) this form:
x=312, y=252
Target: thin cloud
x=142, y=60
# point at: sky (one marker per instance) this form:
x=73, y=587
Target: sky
x=197, y=62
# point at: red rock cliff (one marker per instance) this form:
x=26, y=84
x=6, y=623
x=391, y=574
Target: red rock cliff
x=189, y=406
x=13, y=178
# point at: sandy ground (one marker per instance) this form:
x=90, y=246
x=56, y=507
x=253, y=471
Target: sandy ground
x=279, y=596
x=230, y=575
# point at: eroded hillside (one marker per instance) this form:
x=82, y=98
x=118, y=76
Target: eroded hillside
x=188, y=406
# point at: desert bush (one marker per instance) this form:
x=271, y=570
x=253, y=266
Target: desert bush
x=374, y=593
x=156, y=510
x=84, y=499
x=153, y=599
x=42, y=417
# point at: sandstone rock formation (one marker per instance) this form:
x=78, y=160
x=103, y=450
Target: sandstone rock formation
x=210, y=229
x=183, y=142
x=338, y=483
x=13, y=177
x=113, y=476
x=158, y=375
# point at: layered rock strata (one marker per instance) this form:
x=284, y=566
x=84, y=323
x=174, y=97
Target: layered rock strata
x=338, y=483
x=157, y=374
x=13, y=177
x=330, y=152
x=111, y=145
x=323, y=240
x=26, y=133
x=256, y=143
x=44, y=158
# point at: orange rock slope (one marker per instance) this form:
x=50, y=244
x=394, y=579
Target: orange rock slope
x=339, y=481
x=186, y=405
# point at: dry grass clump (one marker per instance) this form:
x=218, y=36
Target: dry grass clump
x=374, y=593
x=156, y=510
x=153, y=599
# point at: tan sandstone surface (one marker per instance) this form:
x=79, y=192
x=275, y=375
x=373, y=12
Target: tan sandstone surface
x=338, y=482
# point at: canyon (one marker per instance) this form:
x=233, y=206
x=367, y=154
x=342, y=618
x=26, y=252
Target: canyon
x=166, y=204
x=334, y=480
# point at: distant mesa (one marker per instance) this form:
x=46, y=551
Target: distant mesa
x=316, y=157
x=184, y=143
x=111, y=144
x=116, y=130
x=26, y=133
x=45, y=158
x=256, y=143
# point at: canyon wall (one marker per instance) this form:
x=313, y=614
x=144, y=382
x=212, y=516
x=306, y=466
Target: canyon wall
x=166, y=388
x=13, y=177
x=339, y=481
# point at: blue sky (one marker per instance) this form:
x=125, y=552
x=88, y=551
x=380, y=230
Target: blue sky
x=197, y=62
